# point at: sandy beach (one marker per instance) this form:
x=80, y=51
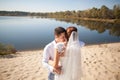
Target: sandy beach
x=100, y=62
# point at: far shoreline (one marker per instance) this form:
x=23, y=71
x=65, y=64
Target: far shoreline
x=116, y=21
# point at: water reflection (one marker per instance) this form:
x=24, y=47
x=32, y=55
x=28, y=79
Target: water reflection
x=100, y=27
x=27, y=33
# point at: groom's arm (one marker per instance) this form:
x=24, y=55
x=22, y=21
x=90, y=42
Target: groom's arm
x=45, y=60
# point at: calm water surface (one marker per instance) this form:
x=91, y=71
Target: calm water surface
x=27, y=33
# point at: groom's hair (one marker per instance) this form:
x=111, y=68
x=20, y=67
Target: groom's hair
x=59, y=30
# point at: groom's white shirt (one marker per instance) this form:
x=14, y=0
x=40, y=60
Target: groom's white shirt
x=48, y=54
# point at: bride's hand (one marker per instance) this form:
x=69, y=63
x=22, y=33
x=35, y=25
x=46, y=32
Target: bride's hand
x=65, y=43
x=61, y=54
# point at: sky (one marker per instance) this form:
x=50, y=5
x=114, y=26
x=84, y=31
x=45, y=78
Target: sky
x=53, y=5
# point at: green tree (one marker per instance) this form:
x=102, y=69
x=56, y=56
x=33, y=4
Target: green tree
x=94, y=13
x=104, y=12
x=116, y=11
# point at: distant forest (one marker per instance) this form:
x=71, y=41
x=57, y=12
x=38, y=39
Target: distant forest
x=97, y=13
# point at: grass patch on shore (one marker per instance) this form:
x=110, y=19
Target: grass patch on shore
x=7, y=49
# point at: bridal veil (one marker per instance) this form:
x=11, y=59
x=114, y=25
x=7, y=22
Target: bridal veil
x=71, y=63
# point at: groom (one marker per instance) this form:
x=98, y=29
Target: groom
x=48, y=53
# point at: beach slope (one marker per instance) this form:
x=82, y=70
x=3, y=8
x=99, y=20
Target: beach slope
x=100, y=62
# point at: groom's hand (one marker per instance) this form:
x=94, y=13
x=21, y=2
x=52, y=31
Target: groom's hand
x=57, y=70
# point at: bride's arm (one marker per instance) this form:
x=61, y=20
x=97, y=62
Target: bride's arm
x=56, y=59
x=56, y=67
x=59, y=52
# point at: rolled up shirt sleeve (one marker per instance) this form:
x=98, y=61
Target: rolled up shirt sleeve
x=45, y=60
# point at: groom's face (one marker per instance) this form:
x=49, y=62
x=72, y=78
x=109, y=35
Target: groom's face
x=61, y=37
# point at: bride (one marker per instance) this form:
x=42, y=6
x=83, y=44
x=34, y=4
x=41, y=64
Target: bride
x=69, y=58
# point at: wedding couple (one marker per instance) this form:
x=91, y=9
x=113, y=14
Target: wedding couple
x=65, y=53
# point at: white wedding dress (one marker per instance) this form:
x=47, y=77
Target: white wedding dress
x=71, y=62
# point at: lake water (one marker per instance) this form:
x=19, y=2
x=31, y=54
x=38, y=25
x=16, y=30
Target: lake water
x=27, y=33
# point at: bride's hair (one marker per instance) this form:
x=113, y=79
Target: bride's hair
x=70, y=29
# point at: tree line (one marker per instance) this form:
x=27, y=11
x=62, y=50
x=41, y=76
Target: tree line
x=100, y=13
